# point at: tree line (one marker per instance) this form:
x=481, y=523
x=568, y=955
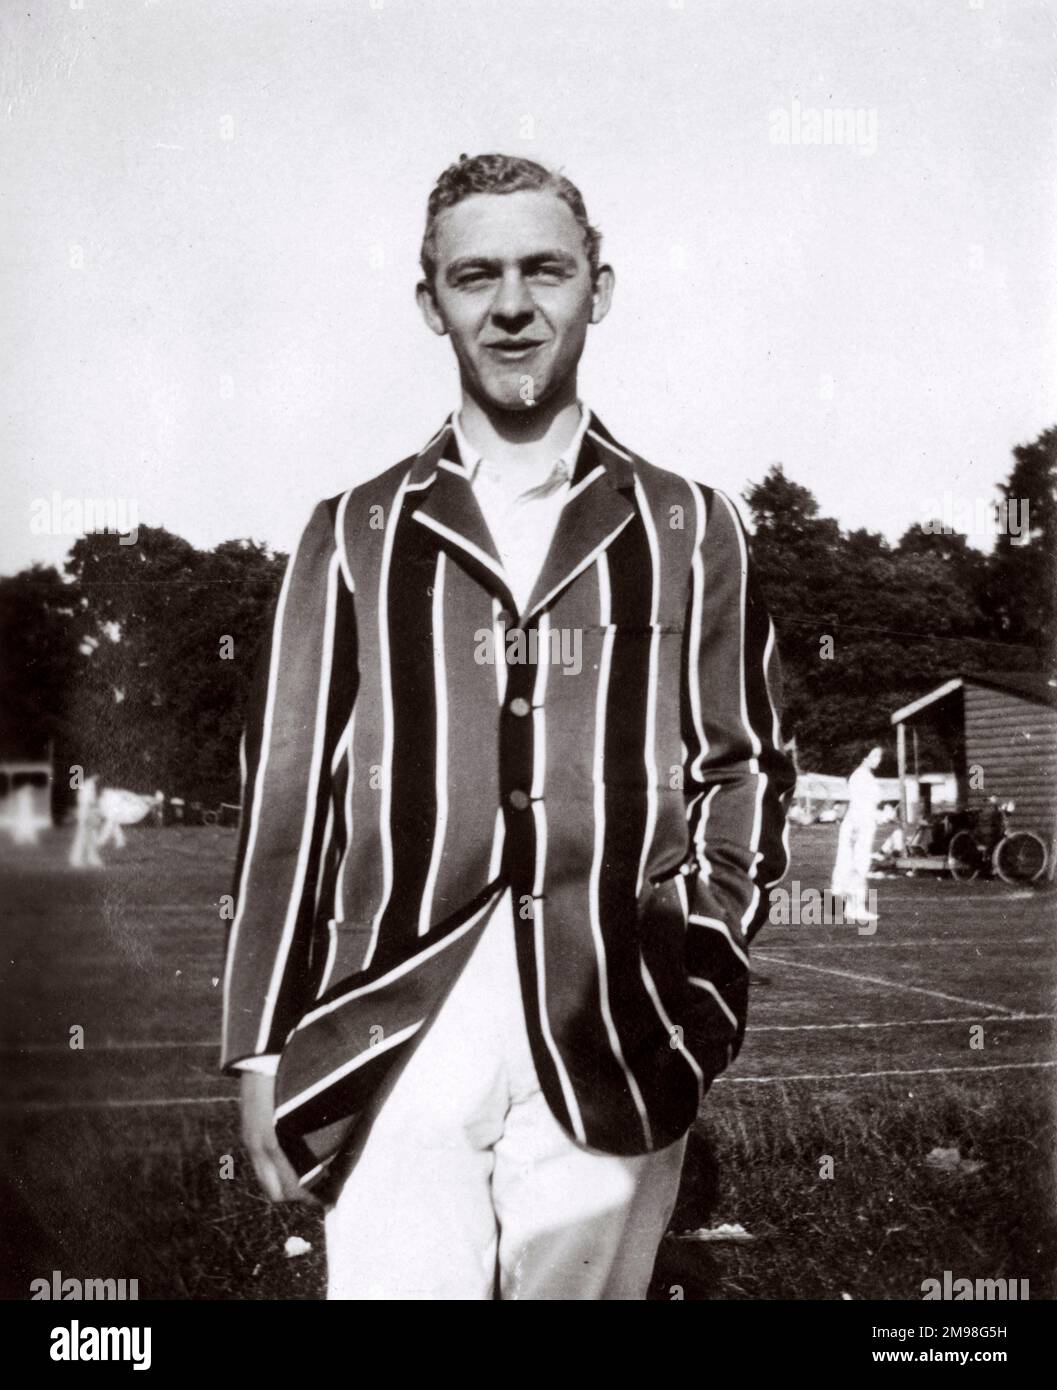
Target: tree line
x=135, y=661
x=865, y=627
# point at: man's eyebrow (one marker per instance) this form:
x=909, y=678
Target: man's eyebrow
x=471, y=263
x=539, y=257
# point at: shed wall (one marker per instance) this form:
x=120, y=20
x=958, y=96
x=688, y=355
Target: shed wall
x=1014, y=742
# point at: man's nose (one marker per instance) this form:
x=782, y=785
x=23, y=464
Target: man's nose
x=513, y=307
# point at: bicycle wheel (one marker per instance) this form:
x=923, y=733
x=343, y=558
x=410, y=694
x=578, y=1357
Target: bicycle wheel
x=964, y=857
x=1019, y=857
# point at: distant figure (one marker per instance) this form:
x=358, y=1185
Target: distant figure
x=118, y=808
x=855, y=843
x=23, y=825
x=996, y=821
x=84, y=852
x=895, y=843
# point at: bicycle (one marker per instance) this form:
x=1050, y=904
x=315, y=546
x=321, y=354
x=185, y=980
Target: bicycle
x=1017, y=857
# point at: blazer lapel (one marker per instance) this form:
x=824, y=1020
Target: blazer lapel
x=600, y=504
x=449, y=508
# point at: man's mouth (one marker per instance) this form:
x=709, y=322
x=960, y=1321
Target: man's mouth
x=513, y=349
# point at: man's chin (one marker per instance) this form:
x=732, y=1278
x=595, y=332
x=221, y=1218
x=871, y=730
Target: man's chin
x=517, y=395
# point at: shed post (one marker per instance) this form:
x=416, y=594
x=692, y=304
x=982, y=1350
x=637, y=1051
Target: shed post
x=901, y=757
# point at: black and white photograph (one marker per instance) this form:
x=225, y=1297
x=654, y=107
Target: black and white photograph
x=528, y=666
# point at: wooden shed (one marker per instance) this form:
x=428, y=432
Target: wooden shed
x=25, y=792
x=1000, y=732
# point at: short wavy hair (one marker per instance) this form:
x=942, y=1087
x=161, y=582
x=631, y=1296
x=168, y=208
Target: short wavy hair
x=501, y=173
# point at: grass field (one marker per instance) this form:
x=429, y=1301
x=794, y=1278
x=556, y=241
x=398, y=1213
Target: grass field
x=859, y=1049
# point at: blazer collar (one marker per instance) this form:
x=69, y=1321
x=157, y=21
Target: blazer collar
x=600, y=504
x=448, y=507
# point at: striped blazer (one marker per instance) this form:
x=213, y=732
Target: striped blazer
x=416, y=746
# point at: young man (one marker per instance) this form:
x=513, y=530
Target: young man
x=514, y=797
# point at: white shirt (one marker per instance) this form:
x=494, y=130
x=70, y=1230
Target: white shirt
x=863, y=795
x=521, y=504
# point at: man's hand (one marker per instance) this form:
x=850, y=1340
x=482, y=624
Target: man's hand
x=274, y=1170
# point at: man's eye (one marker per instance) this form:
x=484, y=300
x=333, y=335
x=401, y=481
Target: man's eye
x=472, y=277
x=549, y=272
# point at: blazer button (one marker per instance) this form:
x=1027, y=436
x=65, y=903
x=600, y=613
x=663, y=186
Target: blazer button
x=518, y=799
x=520, y=706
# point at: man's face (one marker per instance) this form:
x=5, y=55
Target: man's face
x=513, y=290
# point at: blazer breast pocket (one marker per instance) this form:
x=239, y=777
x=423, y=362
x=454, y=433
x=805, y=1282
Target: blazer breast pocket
x=626, y=631
x=639, y=664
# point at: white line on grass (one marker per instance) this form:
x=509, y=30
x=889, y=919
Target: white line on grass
x=112, y=911
x=43, y=1106
x=997, y=941
x=126, y=909
x=39, y=1106
x=63, y=1049
x=865, y=1075
x=26, y=1048
x=977, y=900
x=894, y=1023
x=890, y=984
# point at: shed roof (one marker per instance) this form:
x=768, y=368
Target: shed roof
x=1035, y=686
x=1029, y=685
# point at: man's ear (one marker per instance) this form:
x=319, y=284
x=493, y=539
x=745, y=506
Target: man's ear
x=427, y=303
x=602, y=293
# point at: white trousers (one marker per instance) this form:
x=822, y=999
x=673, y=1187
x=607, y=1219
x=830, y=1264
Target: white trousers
x=854, y=857
x=468, y=1188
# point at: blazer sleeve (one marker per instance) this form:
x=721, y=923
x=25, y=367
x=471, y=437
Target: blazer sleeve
x=302, y=700
x=737, y=779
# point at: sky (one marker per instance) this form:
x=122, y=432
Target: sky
x=211, y=213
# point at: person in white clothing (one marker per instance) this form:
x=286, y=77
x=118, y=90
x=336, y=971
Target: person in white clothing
x=84, y=852
x=855, y=842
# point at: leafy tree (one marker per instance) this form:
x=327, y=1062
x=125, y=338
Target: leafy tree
x=864, y=627
x=171, y=634
x=1021, y=580
x=38, y=660
x=795, y=552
